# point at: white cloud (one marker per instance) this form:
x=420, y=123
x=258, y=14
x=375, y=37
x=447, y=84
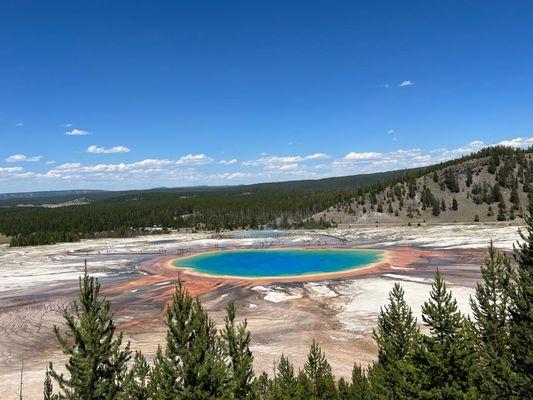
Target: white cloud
x=77, y=132
x=19, y=124
x=406, y=83
x=317, y=156
x=151, y=162
x=391, y=131
x=228, y=162
x=22, y=157
x=11, y=169
x=361, y=156
x=287, y=167
x=276, y=161
x=51, y=162
x=195, y=159
x=69, y=166
x=188, y=170
x=517, y=142
x=66, y=125
x=110, y=150
x=235, y=175
x=272, y=161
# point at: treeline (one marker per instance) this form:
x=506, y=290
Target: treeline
x=126, y=216
x=453, y=357
x=274, y=205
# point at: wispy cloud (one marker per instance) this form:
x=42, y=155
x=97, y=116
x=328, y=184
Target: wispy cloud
x=195, y=159
x=19, y=124
x=273, y=161
x=406, y=83
x=235, y=175
x=76, y=132
x=104, y=150
x=51, y=162
x=23, y=158
x=517, y=142
x=10, y=169
x=317, y=156
x=228, y=162
x=390, y=131
x=361, y=156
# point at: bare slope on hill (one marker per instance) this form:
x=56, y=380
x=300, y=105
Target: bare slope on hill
x=492, y=187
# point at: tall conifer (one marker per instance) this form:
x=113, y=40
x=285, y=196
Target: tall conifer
x=96, y=361
x=235, y=342
x=394, y=375
x=318, y=370
x=490, y=310
x=446, y=358
x=521, y=310
x=192, y=347
x=284, y=386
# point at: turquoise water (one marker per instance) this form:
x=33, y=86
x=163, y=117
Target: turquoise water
x=284, y=262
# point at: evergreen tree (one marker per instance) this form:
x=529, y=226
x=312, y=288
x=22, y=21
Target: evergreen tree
x=48, y=390
x=469, y=177
x=521, y=311
x=264, y=386
x=446, y=358
x=501, y=211
x=319, y=373
x=304, y=387
x=344, y=390
x=394, y=375
x=136, y=385
x=496, y=193
x=436, y=209
x=360, y=387
x=284, y=386
x=163, y=381
x=455, y=205
x=193, y=350
x=236, y=347
x=515, y=198
x=490, y=310
x=96, y=363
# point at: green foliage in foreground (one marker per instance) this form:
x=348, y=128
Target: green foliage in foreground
x=487, y=358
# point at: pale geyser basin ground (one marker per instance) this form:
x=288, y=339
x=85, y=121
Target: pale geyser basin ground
x=284, y=315
x=271, y=263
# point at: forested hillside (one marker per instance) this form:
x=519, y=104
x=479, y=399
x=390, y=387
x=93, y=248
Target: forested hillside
x=135, y=214
x=490, y=185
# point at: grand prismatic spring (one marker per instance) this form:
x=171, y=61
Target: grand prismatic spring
x=278, y=262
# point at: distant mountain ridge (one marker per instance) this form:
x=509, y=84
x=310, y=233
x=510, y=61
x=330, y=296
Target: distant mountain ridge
x=337, y=183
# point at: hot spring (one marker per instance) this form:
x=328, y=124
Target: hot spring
x=278, y=262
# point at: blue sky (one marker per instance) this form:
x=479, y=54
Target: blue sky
x=184, y=93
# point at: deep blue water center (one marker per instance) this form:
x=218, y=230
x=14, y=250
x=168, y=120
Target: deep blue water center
x=282, y=262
